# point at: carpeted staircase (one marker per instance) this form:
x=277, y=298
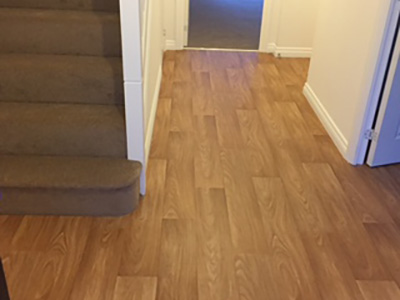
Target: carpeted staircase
x=62, y=125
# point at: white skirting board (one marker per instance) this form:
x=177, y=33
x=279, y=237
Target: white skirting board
x=326, y=120
x=171, y=45
x=288, y=51
x=153, y=113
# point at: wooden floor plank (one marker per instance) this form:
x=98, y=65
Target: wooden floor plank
x=386, y=239
x=254, y=137
x=207, y=163
x=141, y=249
x=180, y=185
x=363, y=200
x=182, y=107
x=8, y=227
x=334, y=279
x=244, y=213
x=355, y=244
x=178, y=269
x=215, y=262
x=135, y=288
x=372, y=290
x=167, y=77
x=159, y=145
x=203, y=104
x=98, y=269
x=253, y=277
x=289, y=264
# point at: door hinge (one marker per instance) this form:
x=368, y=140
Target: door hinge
x=371, y=135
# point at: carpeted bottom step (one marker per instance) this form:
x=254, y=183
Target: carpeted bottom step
x=45, y=185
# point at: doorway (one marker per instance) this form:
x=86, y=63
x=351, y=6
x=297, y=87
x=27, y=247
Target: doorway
x=224, y=24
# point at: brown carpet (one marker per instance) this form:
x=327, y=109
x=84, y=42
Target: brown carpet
x=232, y=24
x=63, y=138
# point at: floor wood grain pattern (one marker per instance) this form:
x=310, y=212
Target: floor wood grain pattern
x=135, y=288
x=248, y=199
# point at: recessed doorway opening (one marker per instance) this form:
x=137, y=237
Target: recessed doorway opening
x=224, y=24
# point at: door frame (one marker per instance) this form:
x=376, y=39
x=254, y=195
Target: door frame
x=186, y=18
x=361, y=148
x=392, y=69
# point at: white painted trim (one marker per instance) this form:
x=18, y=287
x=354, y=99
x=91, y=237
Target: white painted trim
x=326, y=120
x=265, y=25
x=134, y=115
x=186, y=23
x=170, y=45
x=270, y=25
x=288, y=52
x=153, y=113
x=271, y=48
x=144, y=28
x=131, y=40
x=361, y=147
x=133, y=82
x=180, y=15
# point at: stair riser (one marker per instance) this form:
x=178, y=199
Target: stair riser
x=98, y=202
x=85, y=80
x=87, y=143
x=62, y=130
x=97, y=5
x=38, y=32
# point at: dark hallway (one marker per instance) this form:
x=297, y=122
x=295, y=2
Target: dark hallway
x=229, y=24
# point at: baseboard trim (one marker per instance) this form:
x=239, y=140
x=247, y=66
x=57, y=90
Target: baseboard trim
x=326, y=120
x=170, y=45
x=153, y=113
x=288, y=52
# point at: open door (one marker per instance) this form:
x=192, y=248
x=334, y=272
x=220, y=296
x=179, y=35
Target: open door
x=385, y=138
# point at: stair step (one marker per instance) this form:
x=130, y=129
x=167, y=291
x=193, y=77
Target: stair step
x=59, y=32
x=62, y=129
x=98, y=5
x=45, y=185
x=61, y=78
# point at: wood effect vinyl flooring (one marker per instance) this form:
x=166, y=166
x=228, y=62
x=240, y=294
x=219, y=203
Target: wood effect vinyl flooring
x=248, y=199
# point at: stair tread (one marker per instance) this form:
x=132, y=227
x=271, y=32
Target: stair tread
x=67, y=172
x=61, y=78
x=62, y=129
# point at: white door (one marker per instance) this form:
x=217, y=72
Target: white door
x=385, y=145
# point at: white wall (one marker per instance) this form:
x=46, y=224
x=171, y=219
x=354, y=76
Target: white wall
x=152, y=71
x=345, y=53
x=289, y=27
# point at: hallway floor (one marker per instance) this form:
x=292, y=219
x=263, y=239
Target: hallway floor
x=229, y=24
x=248, y=199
